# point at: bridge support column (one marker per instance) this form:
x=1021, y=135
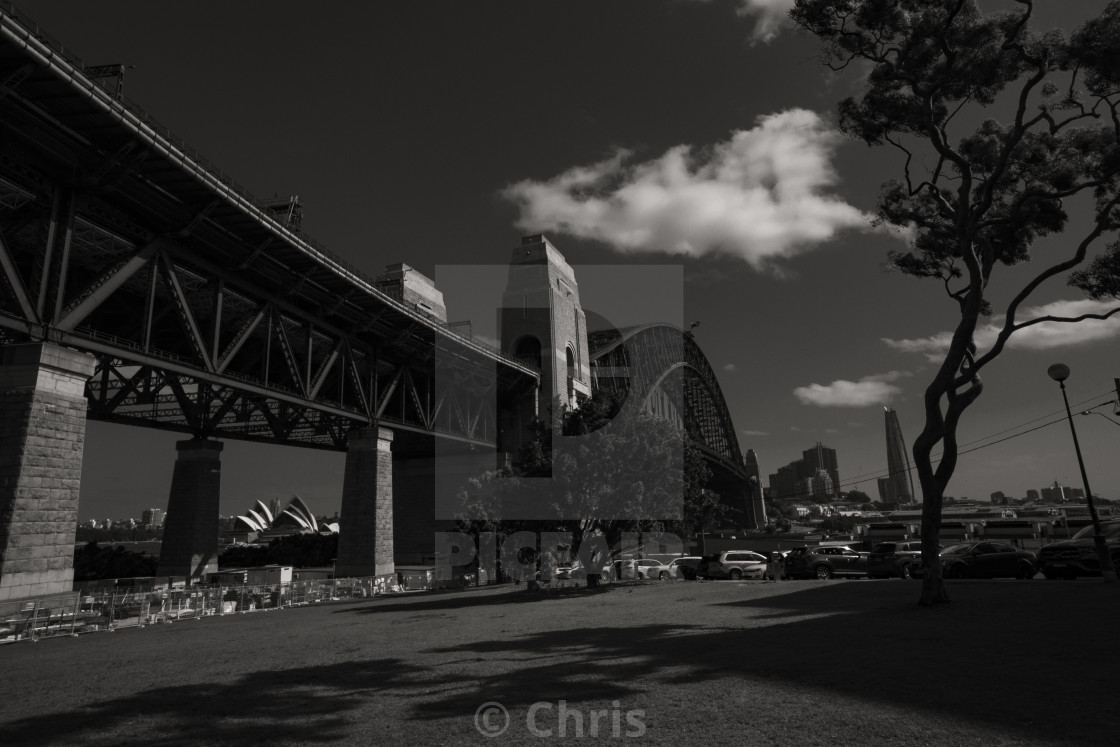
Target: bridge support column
x=426, y=498
x=42, y=437
x=190, y=534
x=365, y=542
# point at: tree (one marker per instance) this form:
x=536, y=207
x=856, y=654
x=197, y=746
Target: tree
x=610, y=467
x=857, y=496
x=838, y=524
x=93, y=563
x=978, y=197
x=296, y=550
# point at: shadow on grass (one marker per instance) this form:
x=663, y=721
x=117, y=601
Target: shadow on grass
x=1047, y=677
x=1032, y=661
x=304, y=704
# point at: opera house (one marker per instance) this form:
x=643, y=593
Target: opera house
x=259, y=523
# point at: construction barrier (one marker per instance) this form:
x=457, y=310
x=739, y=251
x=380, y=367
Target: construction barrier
x=74, y=612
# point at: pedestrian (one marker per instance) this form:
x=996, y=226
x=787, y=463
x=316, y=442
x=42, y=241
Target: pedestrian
x=774, y=567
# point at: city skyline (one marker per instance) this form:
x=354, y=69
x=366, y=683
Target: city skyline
x=448, y=152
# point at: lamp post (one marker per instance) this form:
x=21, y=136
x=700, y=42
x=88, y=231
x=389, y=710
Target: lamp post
x=1059, y=372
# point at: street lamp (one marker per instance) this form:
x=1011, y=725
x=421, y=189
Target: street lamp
x=1059, y=372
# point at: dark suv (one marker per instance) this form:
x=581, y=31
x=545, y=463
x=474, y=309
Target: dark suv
x=825, y=561
x=893, y=559
x=1077, y=556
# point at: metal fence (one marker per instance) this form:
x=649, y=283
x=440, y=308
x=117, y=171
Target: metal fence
x=74, y=612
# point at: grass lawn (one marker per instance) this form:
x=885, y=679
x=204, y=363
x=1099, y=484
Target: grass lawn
x=694, y=663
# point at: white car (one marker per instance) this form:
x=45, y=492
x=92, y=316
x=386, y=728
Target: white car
x=650, y=568
x=684, y=567
x=645, y=568
x=733, y=564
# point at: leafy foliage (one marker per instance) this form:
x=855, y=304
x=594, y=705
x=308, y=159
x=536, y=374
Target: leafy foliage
x=605, y=474
x=296, y=550
x=857, y=496
x=977, y=197
x=92, y=562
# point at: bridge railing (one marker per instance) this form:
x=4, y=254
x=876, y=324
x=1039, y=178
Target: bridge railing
x=75, y=612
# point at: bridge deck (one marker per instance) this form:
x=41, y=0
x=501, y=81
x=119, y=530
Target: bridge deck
x=119, y=239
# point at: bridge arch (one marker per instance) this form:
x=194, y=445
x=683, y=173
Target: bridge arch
x=663, y=370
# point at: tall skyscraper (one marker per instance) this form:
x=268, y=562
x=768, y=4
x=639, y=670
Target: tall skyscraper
x=813, y=477
x=898, y=486
x=755, y=499
x=821, y=458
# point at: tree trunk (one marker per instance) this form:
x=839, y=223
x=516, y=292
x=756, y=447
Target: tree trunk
x=933, y=585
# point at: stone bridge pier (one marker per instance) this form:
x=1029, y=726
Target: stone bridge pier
x=190, y=534
x=42, y=438
x=365, y=541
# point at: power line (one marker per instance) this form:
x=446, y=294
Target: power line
x=961, y=450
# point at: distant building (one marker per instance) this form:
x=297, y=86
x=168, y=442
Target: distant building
x=151, y=518
x=815, y=475
x=999, y=499
x=750, y=461
x=1032, y=496
x=296, y=518
x=820, y=458
x=1056, y=493
x=898, y=486
x=819, y=485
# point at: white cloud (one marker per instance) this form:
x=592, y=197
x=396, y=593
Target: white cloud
x=870, y=390
x=758, y=195
x=730, y=367
x=771, y=16
x=746, y=432
x=1042, y=336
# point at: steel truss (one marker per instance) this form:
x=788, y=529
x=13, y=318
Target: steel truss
x=662, y=359
x=206, y=313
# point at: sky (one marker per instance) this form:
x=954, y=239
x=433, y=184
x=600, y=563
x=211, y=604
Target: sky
x=698, y=134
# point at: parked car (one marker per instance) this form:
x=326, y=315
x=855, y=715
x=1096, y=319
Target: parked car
x=577, y=571
x=684, y=567
x=628, y=570
x=825, y=561
x=1077, y=556
x=650, y=568
x=893, y=559
x=732, y=564
x=646, y=568
x=983, y=560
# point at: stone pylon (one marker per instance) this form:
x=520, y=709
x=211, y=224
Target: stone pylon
x=42, y=439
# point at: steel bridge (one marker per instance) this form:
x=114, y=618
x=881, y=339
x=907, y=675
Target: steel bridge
x=139, y=284
x=207, y=311
x=666, y=372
